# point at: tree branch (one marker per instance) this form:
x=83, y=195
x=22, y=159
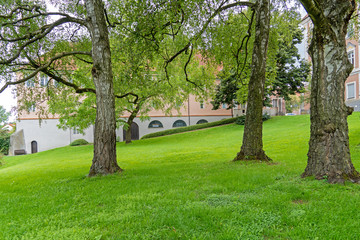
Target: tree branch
x=39, y=68
x=41, y=34
x=313, y=10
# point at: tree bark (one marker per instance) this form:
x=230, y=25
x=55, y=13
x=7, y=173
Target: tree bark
x=104, y=161
x=329, y=154
x=252, y=145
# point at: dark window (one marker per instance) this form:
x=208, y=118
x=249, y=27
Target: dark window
x=44, y=79
x=201, y=104
x=351, y=57
x=30, y=83
x=350, y=90
x=156, y=124
x=275, y=103
x=179, y=123
x=32, y=108
x=202, y=121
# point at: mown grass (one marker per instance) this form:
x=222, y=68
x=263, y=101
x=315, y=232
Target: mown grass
x=181, y=186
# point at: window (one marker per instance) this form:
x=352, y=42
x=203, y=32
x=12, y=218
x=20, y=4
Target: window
x=350, y=89
x=32, y=108
x=179, y=123
x=76, y=131
x=351, y=57
x=202, y=121
x=44, y=79
x=274, y=103
x=156, y=124
x=30, y=83
x=202, y=104
x=56, y=84
x=224, y=106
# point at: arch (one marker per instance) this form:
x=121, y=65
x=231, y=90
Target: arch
x=202, y=121
x=134, y=132
x=34, y=147
x=179, y=123
x=155, y=124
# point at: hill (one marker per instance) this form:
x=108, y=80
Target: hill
x=182, y=186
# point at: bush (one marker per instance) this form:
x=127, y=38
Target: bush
x=241, y=120
x=189, y=128
x=1, y=157
x=265, y=117
x=79, y=142
x=4, y=142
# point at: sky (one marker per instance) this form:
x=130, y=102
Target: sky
x=8, y=101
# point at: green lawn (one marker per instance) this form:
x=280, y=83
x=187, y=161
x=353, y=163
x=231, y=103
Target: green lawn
x=181, y=187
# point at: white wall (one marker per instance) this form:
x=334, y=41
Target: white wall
x=167, y=123
x=48, y=135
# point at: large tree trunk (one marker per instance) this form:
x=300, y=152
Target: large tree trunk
x=329, y=154
x=252, y=146
x=104, y=161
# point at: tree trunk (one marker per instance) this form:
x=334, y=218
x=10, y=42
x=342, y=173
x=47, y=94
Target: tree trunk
x=104, y=161
x=130, y=121
x=329, y=154
x=128, y=135
x=252, y=146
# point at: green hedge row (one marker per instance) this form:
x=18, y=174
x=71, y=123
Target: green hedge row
x=189, y=128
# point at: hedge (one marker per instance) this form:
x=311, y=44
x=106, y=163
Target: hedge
x=189, y=128
x=79, y=142
x=241, y=120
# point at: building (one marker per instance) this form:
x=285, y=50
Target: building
x=35, y=135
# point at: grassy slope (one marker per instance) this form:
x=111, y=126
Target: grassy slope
x=181, y=186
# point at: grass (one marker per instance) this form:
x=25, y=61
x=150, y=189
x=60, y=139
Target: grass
x=181, y=187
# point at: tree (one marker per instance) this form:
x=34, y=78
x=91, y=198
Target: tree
x=252, y=147
x=28, y=39
x=329, y=154
x=4, y=116
x=138, y=78
x=284, y=77
x=4, y=134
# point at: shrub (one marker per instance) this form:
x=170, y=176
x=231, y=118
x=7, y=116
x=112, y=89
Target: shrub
x=1, y=157
x=4, y=142
x=189, y=128
x=241, y=120
x=79, y=142
x=265, y=117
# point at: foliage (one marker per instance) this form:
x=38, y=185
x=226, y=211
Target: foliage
x=241, y=119
x=189, y=128
x=295, y=102
x=79, y=142
x=181, y=186
x=4, y=116
x=4, y=141
x=286, y=72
